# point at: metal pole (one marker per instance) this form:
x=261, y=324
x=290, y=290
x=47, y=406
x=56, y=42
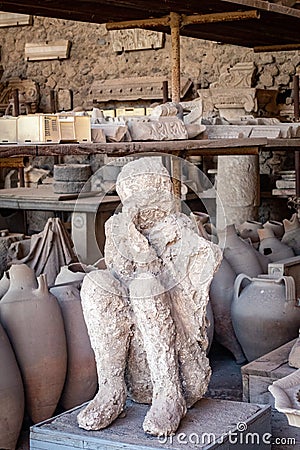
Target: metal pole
x=175, y=42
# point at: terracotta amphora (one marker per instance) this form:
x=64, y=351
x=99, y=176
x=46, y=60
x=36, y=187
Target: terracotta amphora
x=240, y=254
x=221, y=295
x=81, y=379
x=276, y=226
x=33, y=321
x=264, y=313
x=4, y=284
x=11, y=395
x=291, y=235
x=248, y=229
x=272, y=247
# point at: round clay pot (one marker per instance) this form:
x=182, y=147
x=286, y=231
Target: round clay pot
x=272, y=247
x=32, y=319
x=11, y=395
x=277, y=228
x=291, y=235
x=221, y=296
x=264, y=313
x=81, y=378
x=240, y=254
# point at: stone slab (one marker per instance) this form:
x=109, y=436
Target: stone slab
x=209, y=424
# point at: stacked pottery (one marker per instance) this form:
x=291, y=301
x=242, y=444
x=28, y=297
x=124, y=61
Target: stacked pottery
x=264, y=313
x=32, y=319
x=276, y=226
x=81, y=378
x=240, y=254
x=248, y=229
x=272, y=247
x=11, y=395
x=291, y=235
x=221, y=295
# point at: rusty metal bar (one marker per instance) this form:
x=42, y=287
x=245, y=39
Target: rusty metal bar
x=185, y=20
x=139, y=23
x=175, y=41
x=175, y=20
x=296, y=96
x=276, y=48
x=197, y=19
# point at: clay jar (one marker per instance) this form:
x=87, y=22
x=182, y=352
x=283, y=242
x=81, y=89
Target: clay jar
x=221, y=295
x=249, y=229
x=264, y=313
x=11, y=395
x=271, y=247
x=81, y=379
x=4, y=284
x=277, y=228
x=32, y=319
x=240, y=254
x=291, y=235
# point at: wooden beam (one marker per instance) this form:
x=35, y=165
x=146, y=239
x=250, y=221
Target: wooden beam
x=276, y=48
x=267, y=6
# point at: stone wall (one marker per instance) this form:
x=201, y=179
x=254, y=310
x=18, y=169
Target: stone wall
x=92, y=58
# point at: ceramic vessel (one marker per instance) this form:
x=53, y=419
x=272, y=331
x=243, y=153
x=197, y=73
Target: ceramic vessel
x=81, y=378
x=11, y=395
x=286, y=392
x=294, y=356
x=272, y=247
x=240, y=254
x=248, y=229
x=276, y=226
x=291, y=235
x=4, y=284
x=33, y=321
x=221, y=295
x=264, y=313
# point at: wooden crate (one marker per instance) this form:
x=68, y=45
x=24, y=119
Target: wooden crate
x=206, y=423
x=259, y=374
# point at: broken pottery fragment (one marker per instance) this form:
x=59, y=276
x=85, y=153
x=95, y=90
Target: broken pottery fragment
x=286, y=392
x=146, y=313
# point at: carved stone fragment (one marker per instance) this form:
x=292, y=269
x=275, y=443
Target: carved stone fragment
x=136, y=39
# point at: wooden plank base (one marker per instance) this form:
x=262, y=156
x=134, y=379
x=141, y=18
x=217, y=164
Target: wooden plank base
x=206, y=423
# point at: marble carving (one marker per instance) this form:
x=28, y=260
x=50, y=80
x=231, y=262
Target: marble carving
x=146, y=313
